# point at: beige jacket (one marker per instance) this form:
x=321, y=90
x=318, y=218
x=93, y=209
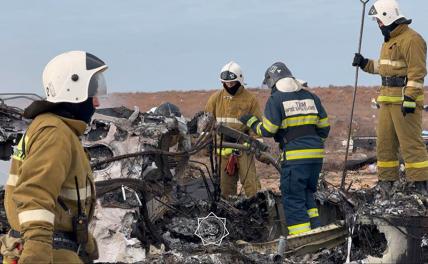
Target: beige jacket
x=44, y=167
x=403, y=55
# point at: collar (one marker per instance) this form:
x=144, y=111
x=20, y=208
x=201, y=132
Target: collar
x=398, y=30
x=288, y=85
x=77, y=126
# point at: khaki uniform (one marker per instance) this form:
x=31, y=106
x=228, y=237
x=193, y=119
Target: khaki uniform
x=228, y=108
x=43, y=169
x=404, y=55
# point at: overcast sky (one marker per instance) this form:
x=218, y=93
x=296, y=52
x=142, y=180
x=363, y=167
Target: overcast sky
x=182, y=44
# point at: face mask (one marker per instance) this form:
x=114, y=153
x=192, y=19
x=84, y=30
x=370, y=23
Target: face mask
x=232, y=90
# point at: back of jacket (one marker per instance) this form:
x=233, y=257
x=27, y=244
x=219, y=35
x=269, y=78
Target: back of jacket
x=299, y=122
x=44, y=166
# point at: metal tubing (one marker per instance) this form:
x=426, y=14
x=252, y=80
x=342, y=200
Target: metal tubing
x=342, y=185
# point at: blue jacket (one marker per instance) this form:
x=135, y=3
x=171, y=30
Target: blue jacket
x=299, y=122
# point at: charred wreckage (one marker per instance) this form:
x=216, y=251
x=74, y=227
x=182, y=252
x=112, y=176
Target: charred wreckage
x=158, y=200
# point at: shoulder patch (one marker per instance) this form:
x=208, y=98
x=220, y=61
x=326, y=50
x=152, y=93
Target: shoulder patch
x=300, y=107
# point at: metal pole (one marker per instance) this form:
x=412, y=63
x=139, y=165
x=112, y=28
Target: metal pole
x=342, y=185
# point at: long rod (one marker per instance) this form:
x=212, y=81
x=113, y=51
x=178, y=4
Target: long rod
x=342, y=185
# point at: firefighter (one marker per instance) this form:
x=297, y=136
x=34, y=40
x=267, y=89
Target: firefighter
x=402, y=66
x=227, y=106
x=298, y=122
x=50, y=192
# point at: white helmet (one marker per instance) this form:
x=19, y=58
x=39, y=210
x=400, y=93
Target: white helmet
x=232, y=72
x=73, y=77
x=386, y=11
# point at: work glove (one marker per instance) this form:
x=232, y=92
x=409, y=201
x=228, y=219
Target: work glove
x=408, y=106
x=249, y=120
x=360, y=61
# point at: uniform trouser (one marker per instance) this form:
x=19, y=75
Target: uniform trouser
x=395, y=131
x=246, y=173
x=298, y=185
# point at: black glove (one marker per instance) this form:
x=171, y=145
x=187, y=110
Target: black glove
x=249, y=120
x=360, y=61
x=408, y=106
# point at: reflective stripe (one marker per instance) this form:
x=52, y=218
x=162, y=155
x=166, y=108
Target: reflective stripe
x=304, y=154
x=251, y=121
x=415, y=84
x=395, y=99
x=388, y=164
x=409, y=104
x=271, y=128
x=392, y=63
x=390, y=99
x=230, y=120
x=11, y=181
x=313, y=212
x=36, y=215
x=416, y=165
x=298, y=229
x=323, y=123
x=19, y=153
x=71, y=194
x=375, y=66
x=258, y=130
x=300, y=121
x=225, y=151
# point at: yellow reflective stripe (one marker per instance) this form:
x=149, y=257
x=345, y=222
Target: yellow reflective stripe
x=415, y=84
x=323, y=123
x=416, y=165
x=375, y=66
x=409, y=104
x=11, y=181
x=225, y=151
x=398, y=63
x=36, y=215
x=71, y=194
x=258, y=130
x=388, y=164
x=251, y=121
x=271, y=128
x=300, y=121
x=19, y=153
x=304, y=154
x=231, y=120
x=390, y=99
x=313, y=212
x=298, y=229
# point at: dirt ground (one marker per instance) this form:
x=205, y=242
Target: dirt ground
x=336, y=100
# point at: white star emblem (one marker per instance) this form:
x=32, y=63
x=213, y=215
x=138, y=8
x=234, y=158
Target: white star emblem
x=211, y=229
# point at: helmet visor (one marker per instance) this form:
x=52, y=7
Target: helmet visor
x=228, y=76
x=97, y=85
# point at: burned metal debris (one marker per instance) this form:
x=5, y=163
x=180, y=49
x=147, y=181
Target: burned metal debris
x=12, y=124
x=151, y=192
